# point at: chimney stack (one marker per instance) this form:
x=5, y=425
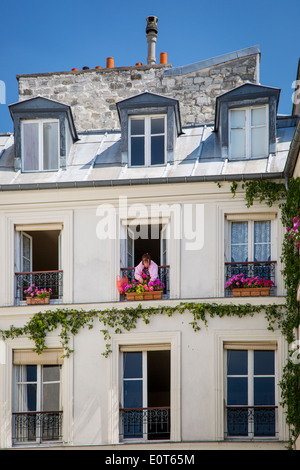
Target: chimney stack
x=151, y=32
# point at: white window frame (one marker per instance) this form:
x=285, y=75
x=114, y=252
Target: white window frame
x=248, y=130
x=240, y=336
x=147, y=136
x=156, y=338
x=6, y=387
x=251, y=238
x=39, y=382
x=40, y=123
x=144, y=379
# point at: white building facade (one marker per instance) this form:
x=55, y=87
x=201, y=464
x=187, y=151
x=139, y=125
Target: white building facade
x=78, y=208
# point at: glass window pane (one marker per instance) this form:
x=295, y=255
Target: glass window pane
x=258, y=142
x=30, y=146
x=51, y=373
x=157, y=150
x=239, y=232
x=262, y=231
x=237, y=391
x=264, y=391
x=133, y=394
x=137, y=151
x=237, y=118
x=237, y=143
x=239, y=241
x=262, y=241
x=264, y=363
x=157, y=126
x=137, y=126
x=51, y=397
x=258, y=116
x=50, y=143
x=237, y=362
x=132, y=365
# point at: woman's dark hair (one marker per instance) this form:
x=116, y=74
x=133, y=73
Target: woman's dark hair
x=146, y=257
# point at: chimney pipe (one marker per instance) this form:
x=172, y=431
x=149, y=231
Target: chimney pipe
x=151, y=32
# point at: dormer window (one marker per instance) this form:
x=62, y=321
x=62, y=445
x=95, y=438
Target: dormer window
x=44, y=132
x=147, y=140
x=150, y=125
x=40, y=145
x=245, y=122
x=248, y=132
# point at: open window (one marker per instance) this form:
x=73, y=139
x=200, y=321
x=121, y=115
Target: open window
x=138, y=240
x=38, y=260
x=145, y=394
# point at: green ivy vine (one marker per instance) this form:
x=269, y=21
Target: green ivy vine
x=117, y=320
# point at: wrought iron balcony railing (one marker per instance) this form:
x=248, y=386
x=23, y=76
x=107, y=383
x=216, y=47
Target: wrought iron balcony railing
x=163, y=274
x=251, y=421
x=37, y=427
x=42, y=280
x=262, y=269
x=145, y=423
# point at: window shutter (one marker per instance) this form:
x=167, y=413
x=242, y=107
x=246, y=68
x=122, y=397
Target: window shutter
x=29, y=357
x=253, y=345
x=145, y=347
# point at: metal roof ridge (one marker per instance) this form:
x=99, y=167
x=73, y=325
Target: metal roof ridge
x=181, y=70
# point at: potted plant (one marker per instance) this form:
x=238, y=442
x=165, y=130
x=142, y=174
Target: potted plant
x=146, y=290
x=250, y=286
x=36, y=296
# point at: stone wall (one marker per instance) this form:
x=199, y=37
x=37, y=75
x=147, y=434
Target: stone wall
x=93, y=94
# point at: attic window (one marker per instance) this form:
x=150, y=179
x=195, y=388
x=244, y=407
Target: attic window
x=40, y=145
x=147, y=140
x=248, y=132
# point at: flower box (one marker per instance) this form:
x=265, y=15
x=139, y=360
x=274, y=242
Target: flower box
x=154, y=295
x=37, y=300
x=250, y=292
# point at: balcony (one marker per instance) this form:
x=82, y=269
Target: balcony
x=145, y=423
x=262, y=269
x=29, y=427
x=42, y=280
x=251, y=422
x=163, y=274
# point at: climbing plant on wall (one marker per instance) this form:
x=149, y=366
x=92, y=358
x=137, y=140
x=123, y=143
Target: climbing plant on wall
x=288, y=198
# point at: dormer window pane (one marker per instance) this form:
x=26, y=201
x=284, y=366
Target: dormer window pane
x=50, y=141
x=157, y=125
x=30, y=147
x=157, y=150
x=137, y=127
x=137, y=151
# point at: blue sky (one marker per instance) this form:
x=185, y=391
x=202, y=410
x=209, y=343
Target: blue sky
x=38, y=36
